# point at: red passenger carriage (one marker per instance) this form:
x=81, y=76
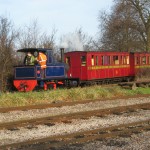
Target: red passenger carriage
x=100, y=66
x=142, y=63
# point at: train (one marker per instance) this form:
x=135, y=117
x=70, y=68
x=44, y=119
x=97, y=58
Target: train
x=79, y=68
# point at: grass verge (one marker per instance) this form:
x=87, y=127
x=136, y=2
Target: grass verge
x=73, y=94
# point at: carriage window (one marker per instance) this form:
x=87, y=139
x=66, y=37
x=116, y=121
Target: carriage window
x=121, y=58
x=83, y=60
x=124, y=60
x=144, y=60
x=127, y=58
x=102, y=60
x=116, y=60
x=108, y=60
x=137, y=60
x=92, y=60
x=105, y=60
x=68, y=60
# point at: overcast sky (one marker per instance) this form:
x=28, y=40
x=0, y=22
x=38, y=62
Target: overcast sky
x=63, y=15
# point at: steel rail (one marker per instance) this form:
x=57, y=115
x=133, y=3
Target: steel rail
x=82, y=137
x=67, y=118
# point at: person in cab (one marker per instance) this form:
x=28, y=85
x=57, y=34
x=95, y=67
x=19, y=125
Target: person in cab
x=29, y=59
x=41, y=58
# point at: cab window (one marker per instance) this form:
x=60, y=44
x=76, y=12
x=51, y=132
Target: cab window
x=68, y=60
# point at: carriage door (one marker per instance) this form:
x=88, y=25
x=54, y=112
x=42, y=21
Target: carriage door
x=133, y=62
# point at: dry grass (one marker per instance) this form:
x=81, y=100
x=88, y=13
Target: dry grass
x=143, y=74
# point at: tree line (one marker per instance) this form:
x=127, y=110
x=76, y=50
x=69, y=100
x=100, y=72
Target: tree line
x=12, y=39
x=126, y=28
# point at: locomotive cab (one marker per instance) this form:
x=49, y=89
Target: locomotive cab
x=27, y=77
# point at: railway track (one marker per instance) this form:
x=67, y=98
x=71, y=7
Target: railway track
x=67, y=118
x=123, y=130
x=133, y=85
x=78, y=137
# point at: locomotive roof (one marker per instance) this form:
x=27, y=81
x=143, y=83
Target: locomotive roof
x=33, y=50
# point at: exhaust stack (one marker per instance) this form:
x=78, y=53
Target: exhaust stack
x=62, y=54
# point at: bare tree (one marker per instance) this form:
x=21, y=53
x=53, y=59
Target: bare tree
x=127, y=28
x=7, y=39
x=32, y=36
x=48, y=41
x=29, y=35
x=141, y=18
